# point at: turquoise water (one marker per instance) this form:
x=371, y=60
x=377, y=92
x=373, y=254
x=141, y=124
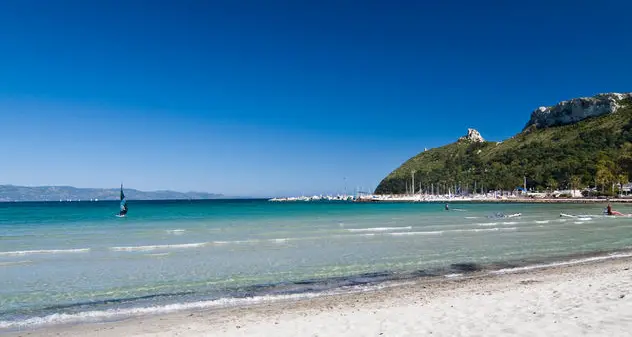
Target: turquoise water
x=76, y=261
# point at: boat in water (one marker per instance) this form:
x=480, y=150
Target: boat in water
x=123, y=205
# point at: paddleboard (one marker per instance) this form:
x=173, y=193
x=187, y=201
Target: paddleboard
x=618, y=215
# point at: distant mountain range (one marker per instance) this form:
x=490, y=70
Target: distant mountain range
x=56, y=193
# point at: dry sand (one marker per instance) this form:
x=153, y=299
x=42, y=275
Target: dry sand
x=592, y=299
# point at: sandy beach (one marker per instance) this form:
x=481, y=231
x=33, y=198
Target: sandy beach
x=589, y=299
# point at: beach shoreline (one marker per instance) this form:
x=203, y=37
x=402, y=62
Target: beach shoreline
x=479, y=198
x=516, y=200
x=599, y=287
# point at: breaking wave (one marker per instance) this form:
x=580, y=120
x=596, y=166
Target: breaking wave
x=45, y=251
x=562, y=263
x=379, y=229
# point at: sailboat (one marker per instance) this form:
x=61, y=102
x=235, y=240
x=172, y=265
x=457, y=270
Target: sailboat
x=123, y=205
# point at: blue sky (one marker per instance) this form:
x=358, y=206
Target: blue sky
x=268, y=98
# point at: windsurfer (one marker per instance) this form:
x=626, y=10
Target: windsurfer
x=123, y=210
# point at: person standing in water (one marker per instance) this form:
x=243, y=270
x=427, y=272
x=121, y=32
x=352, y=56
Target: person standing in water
x=447, y=207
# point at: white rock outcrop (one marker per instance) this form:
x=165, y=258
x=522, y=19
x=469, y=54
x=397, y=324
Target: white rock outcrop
x=472, y=136
x=577, y=109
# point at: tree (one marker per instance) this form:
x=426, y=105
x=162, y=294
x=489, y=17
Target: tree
x=605, y=171
x=622, y=179
x=552, y=184
x=576, y=182
x=625, y=159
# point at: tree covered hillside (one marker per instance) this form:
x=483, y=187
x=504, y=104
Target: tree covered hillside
x=593, y=152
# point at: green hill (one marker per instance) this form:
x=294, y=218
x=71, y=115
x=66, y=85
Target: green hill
x=595, y=151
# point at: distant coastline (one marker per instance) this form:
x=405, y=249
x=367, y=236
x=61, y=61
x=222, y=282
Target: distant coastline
x=225, y=199
x=13, y=193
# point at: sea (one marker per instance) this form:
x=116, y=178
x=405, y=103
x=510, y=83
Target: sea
x=72, y=262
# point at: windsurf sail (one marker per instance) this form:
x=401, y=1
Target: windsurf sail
x=123, y=203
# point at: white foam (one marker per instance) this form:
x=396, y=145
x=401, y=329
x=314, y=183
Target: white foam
x=15, y=263
x=176, y=231
x=245, y=241
x=584, y=219
x=417, y=233
x=562, y=263
x=543, y=221
x=487, y=224
x=100, y=315
x=45, y=251
x=456, y=231
x=280, y=240
x=97, y=315
x=578, y=222
x=472, y=217
x=379, y=229
x=484, y=229
x=156, y=247
x=453, y=275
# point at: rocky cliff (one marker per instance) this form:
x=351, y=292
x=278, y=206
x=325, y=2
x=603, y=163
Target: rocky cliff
x=472, y=136
x=577, y=109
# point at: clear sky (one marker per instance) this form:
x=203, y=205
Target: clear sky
x=272, y=97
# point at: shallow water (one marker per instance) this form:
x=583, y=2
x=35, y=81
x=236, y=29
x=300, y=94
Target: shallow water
x=65, y=261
